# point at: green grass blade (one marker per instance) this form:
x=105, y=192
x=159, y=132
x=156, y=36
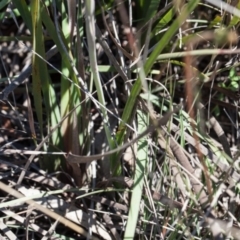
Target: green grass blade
x=90, y=28
x=129, y=108
x=41, y=84
x=37, y=63
x=151, y=7
x=163, y=22
x=141, y=162
x=4, y=3
x=24, y=12
x=51, y=28
x=169, y=34
x=84, y=136
x=235, y=20
x=66, y=101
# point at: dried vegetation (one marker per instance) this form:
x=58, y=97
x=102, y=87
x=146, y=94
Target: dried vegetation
x=119, y=119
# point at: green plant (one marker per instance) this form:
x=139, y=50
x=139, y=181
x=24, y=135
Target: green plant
x=154, y=161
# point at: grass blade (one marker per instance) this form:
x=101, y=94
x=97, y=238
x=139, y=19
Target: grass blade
x=141, y=162
x=128, y=110
x=37, y=64
x=24, y=12
x=90, y=27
